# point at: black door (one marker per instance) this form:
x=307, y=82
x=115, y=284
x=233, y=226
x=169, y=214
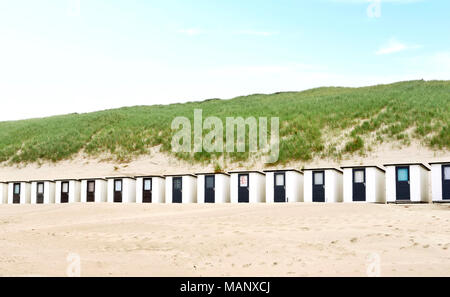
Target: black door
x=177, y=190
x=359, y=185
x=210, y=189
x=403, y=183
x=279, y=189
x=16, y=194
x=118, y=191
x=90, y=197
x=147, y=190
x=65, y=192
x=243, y=192
x=319, y=186
x=446, y=182
x=40, y=193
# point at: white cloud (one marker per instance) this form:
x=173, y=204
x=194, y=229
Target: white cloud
x=395, y=46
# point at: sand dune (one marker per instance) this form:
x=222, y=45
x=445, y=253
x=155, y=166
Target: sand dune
x=225, y=240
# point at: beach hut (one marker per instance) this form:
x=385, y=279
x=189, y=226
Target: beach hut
x=284, y=186
x=93, y=190
x=247, y=187
x=181, y=188
x=3, y=193
x=406, y=182
x=213, y=187
x=364, y=184
x=42, y=192
x=323, y=185
x=67, y=191
x=440, y=181
x=121, y=189
x=19, y=192
x=150, y=189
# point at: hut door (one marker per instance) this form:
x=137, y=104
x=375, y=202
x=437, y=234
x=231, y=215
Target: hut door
x=319, y=186
x=90, y=191
x=118, y=191
x=64, y=192
x=243, y=191
x=359, y=185
x=446, y=182
x=16, y=194
x=147, y=191
x=210, y=184
x=40, y=193
x=279, y=187
x=177, y=190
x=403, y=183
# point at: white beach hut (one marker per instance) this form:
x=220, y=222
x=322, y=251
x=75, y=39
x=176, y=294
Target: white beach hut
x=121, y=189
x=3, y=193
x=181, y=188
x=42, y=192
x=364, y=184
x=323, y=185
x=150, y=189
x=213, y=187
x=67, y=191
x=19, y=192
x=247, y=187
x=284, y=186
x=440, y=181
x=93, y=190
x=407, y=183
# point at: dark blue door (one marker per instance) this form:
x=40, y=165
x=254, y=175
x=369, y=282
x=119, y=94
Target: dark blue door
x=279, y=187
x=177, y=190
x=243, y=186
x=319, y=186
x=359, y=185
x=90, y=195
x=118, y=185
x=40, y=193
x=16, y=194
x=446, y=182
x=64, y=192
x=403, y=183
x=210, y=192
x=147, y=190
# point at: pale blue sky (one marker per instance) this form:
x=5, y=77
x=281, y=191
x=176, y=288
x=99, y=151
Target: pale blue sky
x=63, y=56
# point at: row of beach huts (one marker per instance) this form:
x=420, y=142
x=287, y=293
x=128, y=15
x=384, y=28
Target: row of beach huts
x=392, y=184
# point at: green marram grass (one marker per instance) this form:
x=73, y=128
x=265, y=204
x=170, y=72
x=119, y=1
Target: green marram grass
x=405, y=111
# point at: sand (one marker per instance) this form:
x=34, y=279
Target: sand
x=225, y=240
x=222, y=240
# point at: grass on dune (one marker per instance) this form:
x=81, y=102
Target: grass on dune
x=405, y=111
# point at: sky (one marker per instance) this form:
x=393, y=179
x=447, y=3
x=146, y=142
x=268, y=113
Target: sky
x=66, y=56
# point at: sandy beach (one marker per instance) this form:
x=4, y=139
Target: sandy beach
x=225, y=240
